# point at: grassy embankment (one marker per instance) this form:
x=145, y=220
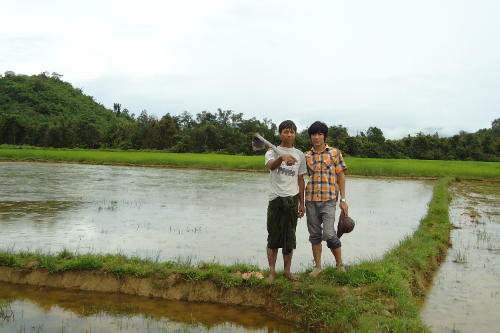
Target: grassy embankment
x=373, y=296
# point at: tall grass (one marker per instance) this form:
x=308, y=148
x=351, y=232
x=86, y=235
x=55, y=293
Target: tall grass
x=356, y=166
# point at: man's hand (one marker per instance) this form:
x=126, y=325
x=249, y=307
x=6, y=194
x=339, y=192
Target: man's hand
x=302, y=211
x=289, y=159
x=343, y=206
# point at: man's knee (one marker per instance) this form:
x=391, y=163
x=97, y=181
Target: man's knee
x=333, y=243
x=315, y=240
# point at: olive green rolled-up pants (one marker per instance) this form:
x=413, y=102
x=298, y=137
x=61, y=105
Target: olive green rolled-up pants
x=282, y=216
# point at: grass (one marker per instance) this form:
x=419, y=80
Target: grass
x=151, y=158
x=122, y=266
x=356, y=166
x=371, y=296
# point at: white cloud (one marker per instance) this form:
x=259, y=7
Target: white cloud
x=404, y=67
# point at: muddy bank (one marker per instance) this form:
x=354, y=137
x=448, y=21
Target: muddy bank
x=171, y=287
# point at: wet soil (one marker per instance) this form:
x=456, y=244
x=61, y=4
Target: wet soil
x=170, y=287
x=167, y=287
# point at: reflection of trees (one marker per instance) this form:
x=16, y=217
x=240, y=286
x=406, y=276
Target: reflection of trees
x=93, y=304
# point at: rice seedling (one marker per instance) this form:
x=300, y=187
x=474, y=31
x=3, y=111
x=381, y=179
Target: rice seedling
x=356, y=166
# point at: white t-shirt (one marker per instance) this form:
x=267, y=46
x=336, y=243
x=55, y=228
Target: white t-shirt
x=284, y=180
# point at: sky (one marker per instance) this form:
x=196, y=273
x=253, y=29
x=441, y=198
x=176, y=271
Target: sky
x=402, y=66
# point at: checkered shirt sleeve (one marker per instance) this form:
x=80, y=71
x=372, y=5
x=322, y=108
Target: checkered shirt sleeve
x=322, y=169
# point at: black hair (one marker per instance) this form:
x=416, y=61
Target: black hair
x=318, y=127
x=287, y=124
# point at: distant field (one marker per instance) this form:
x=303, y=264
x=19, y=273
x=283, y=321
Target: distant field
x=356, y=166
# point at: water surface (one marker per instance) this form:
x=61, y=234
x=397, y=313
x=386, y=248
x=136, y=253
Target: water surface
x=35, y=309
x=194, y=215
x=465, y=294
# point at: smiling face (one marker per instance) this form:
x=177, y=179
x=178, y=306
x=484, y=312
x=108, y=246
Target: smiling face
x=318, y=139
x=287, y=137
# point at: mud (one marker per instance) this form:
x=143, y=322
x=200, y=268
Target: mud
x=170, y=287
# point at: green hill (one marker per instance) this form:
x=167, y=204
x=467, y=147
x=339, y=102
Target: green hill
x=45, y=109
x=45, y=98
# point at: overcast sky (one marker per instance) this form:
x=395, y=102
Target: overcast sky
x=402, y=66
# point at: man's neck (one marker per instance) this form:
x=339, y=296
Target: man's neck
x=320, y=148
x=286, y=146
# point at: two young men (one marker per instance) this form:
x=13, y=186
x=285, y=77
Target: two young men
x=325, y=167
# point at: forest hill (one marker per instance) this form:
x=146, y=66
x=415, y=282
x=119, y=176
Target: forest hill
x=42, y=110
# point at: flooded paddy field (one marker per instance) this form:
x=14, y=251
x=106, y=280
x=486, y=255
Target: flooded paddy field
x=465, y=294
x=193, y=215
x=185, y=215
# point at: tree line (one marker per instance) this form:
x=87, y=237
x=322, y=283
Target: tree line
x=43, y=110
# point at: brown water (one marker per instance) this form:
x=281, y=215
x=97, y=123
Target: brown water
x=465, y=295
x=34, y=309
x=188, y=215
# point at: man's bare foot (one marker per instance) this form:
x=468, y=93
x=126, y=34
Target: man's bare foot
x=341, y=268
x=291, y=276
x=316, y=272
x=271, y=277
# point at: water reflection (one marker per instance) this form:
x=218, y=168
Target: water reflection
x=33, y=309
x=194, y=215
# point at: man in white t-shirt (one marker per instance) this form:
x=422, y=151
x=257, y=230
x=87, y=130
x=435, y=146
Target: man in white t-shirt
x=286, y=199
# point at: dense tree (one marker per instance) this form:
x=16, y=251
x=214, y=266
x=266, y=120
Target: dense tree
x=43, y=110
x=337, y=136
x=165, y=133
x=86, y=134
x=12, y=129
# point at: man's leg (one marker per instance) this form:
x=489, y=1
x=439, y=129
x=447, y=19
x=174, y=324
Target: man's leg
x=287, y=259
x=317, y=249
x=337, y=253
x=329, y=233
x=272, y=256
x=315, y=233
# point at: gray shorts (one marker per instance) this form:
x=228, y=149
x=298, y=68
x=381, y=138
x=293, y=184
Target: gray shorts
x=321, y=223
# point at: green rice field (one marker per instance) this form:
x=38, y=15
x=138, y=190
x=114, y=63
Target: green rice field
x=356, y=166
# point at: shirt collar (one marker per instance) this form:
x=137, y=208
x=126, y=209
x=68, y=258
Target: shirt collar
x=326, y=149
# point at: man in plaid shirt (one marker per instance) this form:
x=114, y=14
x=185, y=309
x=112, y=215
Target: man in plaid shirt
x=325, y=167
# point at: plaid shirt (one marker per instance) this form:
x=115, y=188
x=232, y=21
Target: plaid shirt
x=323, y=168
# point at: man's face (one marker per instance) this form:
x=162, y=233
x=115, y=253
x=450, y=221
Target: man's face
x=287, y=136
x=318, y=139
